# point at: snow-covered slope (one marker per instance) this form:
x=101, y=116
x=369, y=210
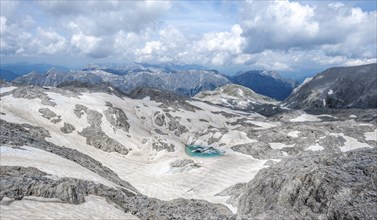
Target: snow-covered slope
x=235, y=96
x=156, y=137
x=241, y=98
x=30, y=208
x=142, y=140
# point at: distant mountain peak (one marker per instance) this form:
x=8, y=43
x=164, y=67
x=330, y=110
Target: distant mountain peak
x=128, y=77
x=265, y=82
x=338, y=87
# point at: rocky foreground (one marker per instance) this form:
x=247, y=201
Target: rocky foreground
x=314, y=186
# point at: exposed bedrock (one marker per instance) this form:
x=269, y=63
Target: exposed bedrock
x=160, y=144
x=33, y=92
x=67, y=128
x=50, y=115
x=26, y=135
x=184, y=163
x=117, y=118
x=97, y=138
x=168, y=99
x=171, y=123
x=18, y=182
x=94, y=134
x=259, y=150
x=298, y=137
x=314, y=186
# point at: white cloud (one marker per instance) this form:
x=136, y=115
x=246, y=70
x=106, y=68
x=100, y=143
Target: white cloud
x=279, y=35
x=15, y=40
x=90, y=45
x=99, y=18
x=230, y=42
x=278, y=25
x=283, y=25
x=287, y=36
x=47, y=42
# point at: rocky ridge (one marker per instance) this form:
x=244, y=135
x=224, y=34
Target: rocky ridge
x=338, y=88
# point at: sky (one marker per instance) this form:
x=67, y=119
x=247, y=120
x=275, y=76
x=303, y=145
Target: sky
x=295, y=38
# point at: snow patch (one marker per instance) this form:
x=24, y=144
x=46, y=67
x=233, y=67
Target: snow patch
x=294, y=134
x=31, y=207
x=305, y=117
x=279, y=146
x=303, y=83
x=371, y=136
x=7, y=89
x=264, y=125
x=315, y=147
x=49, y=163
x=351, y=143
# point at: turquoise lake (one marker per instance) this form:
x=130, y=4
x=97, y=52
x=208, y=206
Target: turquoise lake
x=200, y=151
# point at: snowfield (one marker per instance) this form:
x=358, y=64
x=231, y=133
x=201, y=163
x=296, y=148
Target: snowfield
x=156, y=137
x=146, y=169
x=30, y=208
x=304, y=118
x=52, y=164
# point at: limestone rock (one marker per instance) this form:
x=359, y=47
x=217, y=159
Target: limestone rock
x=67, y=128
x=315, y=186
x=117, y=118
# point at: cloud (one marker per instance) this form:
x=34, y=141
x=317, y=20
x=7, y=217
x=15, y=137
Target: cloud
x=47, y=42
x=215, y=48
x=284, y=25
x=99, y=18
x=96, y=29
x=14, y=40
x=280, y=35
x=292, y=36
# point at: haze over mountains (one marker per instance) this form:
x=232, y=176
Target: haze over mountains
x=10, y=72
x=185, y=80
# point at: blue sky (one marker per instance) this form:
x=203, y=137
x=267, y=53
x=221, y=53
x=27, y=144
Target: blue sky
x=296, y=38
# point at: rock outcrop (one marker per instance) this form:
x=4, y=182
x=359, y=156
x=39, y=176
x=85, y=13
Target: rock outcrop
x=26, y=135
x=314, y=186
x=338, y=88
x=94, y=134
x=67, y=128
x=18, y=182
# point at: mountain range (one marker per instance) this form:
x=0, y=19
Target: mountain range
x=78, y=145
x=187, y=80
x=11, y=71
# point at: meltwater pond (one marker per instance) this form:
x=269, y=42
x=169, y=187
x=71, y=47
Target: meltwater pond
x=200, y=151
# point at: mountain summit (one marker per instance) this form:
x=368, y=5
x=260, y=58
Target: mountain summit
x=268, y=83
x=338, y=87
